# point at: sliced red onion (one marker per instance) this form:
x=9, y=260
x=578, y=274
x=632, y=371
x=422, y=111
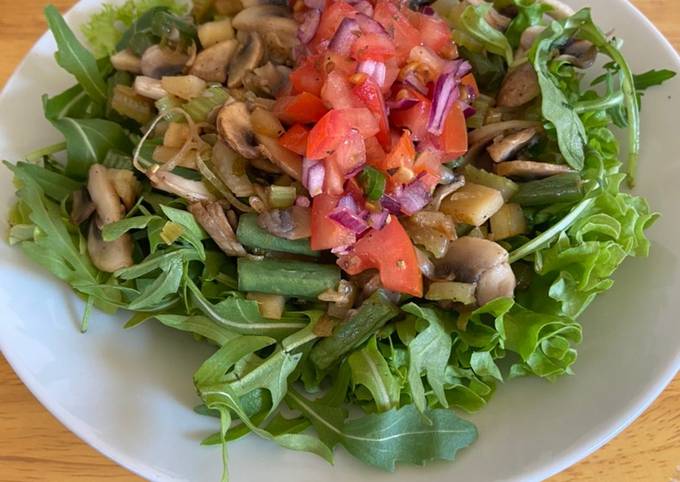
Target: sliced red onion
x=355, y=171
x=348, y=203
x=351, y=221
x=414, y=197
x=426, y=10
x=368, y=25
x=376, y=70
x=390, y=204
x=313, y=174
x=345, y=36
x=413, y=81
x=342, y=250
x=364, y=7
x=404, y=103
x=445, y=93
x=309, y=25
x=378, y=220
x=316, y=4
x=458, y=68
x=468, y=110
x=302, y=201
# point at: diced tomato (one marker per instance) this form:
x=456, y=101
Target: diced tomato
x=295, y=139
x=390, y=251
x=470, y=81
x=327, y=134
x=454, y=138
x=351, y=153
x=414, y=119
x=405, y=35
x=334, y=14
x=375, y=155
x=373, y=46
x=428, y=165
x=403, y=154
x=361, y=119
x=434, y=32
x=326, y=233
x=307, y=77
x=337, y=92
x=302, y=108
x=391, y=74
x=334, y=180
x=370, y=94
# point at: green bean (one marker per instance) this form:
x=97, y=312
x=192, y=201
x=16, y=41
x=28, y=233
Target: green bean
x=562, y=188
x=250, y=234
x=287, y=278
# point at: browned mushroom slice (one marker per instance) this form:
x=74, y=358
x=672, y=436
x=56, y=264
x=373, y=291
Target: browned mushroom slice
x=274, y=24
x=126, y=186
x=519, y=87
x=233, y=124
x=530, y=169
x=82, y=206
x=529, y=36
x=109, y=256
x=211, y=64
x=559, y=10
x=149, y=87
x=286, y=160
x=580, y=53
x=248, y=56
x=505, y=147
x=268, y=79
x=158, y=62
x=475, y=260
x=103, y=195
x=491, y=131
x=180, y=186
x=211, y=217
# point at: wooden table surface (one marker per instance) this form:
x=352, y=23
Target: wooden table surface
x=35, y=446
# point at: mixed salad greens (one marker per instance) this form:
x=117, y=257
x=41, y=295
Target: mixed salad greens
x=360, y=203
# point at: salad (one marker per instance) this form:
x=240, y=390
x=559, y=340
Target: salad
x=375, y=211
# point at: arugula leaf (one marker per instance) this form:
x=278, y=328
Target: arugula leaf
x=652, y=78
x=113, y=231
x=88, y=141
x=369, y=368
x=54, y=185
x=399, y=435
x=429, y=352
x=163, y=286
x=73, y=102
x=473, y=22
x=200, y=325
x=191, y=230
x=76, y=59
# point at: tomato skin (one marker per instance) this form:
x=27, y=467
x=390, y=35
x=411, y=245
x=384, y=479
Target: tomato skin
x=369, y=92
x=373, y=46
x=390, y=251
x=428, y=167
x=454, y=137
x=403, y=154
x=470, y=81
x=414, y=119
x=326, y=135
x=405, y=35
x=375, y=155
x=334, y=180
x=361, y=119
x=351, y=153
x=295, y=139
x=434, y=32
x=333, y=15
x=303, y=108
x=337, y=92
x=391, y=74
x=326, y=233
x=307, y=78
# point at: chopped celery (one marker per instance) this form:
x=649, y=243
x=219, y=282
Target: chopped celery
x=200, y=107
x=507, y=187
x=281, y=197
x=164, y=104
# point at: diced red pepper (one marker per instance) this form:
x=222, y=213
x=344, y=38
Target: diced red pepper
x=326, y=233
x=403, y=154
x=303, y=108
x=391, y=252
x=295, y=139
x=369, y=92
x=454, y=138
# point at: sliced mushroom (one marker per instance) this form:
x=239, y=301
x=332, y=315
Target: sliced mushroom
x=211, y=64
x=442, y=192
x=231, y=169
x=127, y=61
x=185, y=188
x=104, y=196
x=274, y=24
x=559, y=10
x=211, y=217
x=530, y=169
x=529, y=36
x=126, y=185
x=268, y=79
x=505, y=147
x=233, y=124
x=158, y=62
x=109, y=256
x=149, y=87
x=491, y=131
x=480, y=261
x=248, y=56
x=519, y=87
x=280, y=45
x=292, y=223
x=286, y=160
x=581, y=53
x=493, y=17
x=82, y=206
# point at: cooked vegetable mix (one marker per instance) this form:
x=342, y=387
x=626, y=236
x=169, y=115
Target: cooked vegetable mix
x=358, y=203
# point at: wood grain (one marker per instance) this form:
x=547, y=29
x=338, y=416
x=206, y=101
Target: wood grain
x=34, y=446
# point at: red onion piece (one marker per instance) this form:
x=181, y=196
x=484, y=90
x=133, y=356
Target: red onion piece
x=426, y=10
x=302, y=201
x=309, y=25
x=390, y=204
x=342, y=250
x=344, y=37
x=376, y=70
x=401, y=104
x=364, y=7
x=378, y=220
x=348, y=203
x=316, y=4
x=349, y=220
x=313, y=174
x=368, y=25
x=445, y=93
x=414, y=197
x=413, y=81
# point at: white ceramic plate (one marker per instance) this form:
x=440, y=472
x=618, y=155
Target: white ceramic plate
x=129, y=393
